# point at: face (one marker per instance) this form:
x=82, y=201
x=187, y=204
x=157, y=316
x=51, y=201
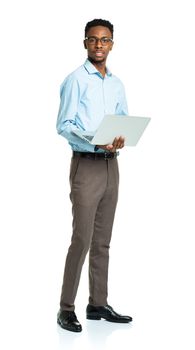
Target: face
x=98, y=50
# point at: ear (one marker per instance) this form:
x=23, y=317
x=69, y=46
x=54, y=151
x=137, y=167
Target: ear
x=84, y=43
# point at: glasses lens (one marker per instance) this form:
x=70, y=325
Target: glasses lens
x=93, y=40
x=105, y=41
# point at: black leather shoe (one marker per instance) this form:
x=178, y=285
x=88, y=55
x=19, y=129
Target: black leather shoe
x=106, y=312
x=68, y=320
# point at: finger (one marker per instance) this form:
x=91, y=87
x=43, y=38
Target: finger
x=115, y=142
x=121, y=142
x=121, y=139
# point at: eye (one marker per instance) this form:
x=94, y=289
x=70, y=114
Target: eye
x=92, y=40
x=105, y=40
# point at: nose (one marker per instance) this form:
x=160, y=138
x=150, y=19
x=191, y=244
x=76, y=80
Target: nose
x=98, y=43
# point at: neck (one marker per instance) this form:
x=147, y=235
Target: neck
x=101, y=66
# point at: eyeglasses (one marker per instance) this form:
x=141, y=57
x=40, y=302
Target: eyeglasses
x=92, y=40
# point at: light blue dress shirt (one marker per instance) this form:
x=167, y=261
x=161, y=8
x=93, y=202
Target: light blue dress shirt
x=86, y=96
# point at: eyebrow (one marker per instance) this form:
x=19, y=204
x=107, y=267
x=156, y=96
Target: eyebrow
x=96, y=37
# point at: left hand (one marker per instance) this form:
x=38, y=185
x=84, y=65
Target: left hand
x=118, y=142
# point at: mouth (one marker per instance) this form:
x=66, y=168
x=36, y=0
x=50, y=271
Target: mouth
x=99, y=53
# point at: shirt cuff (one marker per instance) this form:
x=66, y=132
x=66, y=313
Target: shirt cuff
x=96, y=148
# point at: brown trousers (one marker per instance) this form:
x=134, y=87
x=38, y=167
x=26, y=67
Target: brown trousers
x=94, y=194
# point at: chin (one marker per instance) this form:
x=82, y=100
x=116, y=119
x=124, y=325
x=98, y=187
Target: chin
x=97, y=60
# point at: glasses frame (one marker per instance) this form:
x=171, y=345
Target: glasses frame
x=108, y=40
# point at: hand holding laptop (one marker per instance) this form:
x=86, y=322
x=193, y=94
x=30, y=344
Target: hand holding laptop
x=130, y=127
x=118, y=142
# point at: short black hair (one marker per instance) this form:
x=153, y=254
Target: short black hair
x=99, y=22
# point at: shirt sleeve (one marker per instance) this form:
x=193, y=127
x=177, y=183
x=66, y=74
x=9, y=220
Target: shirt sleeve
x=122, y=107
x=66, y=120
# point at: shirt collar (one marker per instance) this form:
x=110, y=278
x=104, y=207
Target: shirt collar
x=91, y=69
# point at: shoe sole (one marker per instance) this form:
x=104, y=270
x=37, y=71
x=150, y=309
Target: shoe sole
x=97, y=318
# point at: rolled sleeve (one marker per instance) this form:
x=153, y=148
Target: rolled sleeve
x=66, y=120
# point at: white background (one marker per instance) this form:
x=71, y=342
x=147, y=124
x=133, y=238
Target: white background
x=152, y=251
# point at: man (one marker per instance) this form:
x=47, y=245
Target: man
x=87, y=94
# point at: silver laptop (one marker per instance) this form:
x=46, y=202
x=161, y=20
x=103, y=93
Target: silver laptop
x=131, y=128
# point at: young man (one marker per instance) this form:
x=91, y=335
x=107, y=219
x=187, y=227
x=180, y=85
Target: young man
x=87, y=94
